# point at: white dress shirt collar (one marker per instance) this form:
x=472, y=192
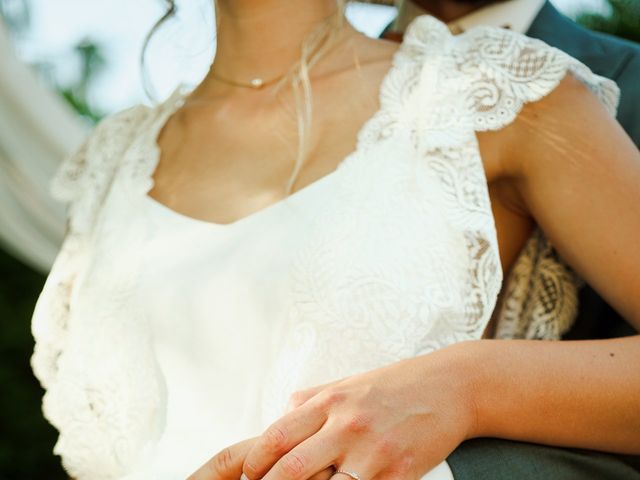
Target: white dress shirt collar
x=517, y=15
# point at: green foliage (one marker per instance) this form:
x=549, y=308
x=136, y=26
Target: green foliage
x=17, y=16
x=623, y=22
x=92, y=63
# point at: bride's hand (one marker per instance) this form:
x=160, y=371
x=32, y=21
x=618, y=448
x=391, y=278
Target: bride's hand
x=399, y=421
x=227, y=464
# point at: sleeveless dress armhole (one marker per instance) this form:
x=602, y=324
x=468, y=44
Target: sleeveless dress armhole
x=502, y=71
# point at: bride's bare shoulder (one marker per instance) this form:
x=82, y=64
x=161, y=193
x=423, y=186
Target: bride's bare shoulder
x=570, y=122
x=577, y=174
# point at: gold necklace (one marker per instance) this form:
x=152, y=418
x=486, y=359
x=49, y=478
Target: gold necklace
x=256, y=83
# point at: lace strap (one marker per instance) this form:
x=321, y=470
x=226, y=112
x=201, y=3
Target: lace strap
x=505, y=70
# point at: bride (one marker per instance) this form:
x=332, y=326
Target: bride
x=289, y=271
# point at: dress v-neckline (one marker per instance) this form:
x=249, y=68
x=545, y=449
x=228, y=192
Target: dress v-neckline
x=177, y=98
x=265, y=212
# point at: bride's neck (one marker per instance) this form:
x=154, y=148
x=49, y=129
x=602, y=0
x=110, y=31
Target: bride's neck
x=262, y=38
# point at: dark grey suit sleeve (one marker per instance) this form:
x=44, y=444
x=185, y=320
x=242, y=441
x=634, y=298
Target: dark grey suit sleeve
x=628, y=78
x=495, y=459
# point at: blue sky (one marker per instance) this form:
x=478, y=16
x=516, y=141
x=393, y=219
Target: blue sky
x=181, y=51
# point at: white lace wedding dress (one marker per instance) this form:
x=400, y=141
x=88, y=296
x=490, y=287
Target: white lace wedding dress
x=161, y=338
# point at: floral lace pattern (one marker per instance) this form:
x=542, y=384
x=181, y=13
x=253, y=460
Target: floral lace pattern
x=404, y=261
x=506, y=70
x=99, y=438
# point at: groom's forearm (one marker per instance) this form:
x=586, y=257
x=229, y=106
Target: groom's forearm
x=583, y=394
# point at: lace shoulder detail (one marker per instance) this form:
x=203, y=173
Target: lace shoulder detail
x=93, y=407
x=477, y=81
x=504, y=70
x=499, y=71
x=83, y=177
x=82, y=181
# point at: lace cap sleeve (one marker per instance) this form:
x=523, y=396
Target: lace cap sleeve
x=81, y=181
x=83, y=176
x=504, y=70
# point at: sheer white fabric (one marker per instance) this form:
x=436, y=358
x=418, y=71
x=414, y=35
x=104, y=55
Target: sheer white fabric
x=401, y=259
x=36, y=131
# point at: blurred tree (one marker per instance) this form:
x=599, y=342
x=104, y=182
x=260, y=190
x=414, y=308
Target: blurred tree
x=624, y=20
x=16, y=14
x=92, y=63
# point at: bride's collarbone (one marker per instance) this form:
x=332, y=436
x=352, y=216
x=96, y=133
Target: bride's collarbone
x=241, y=163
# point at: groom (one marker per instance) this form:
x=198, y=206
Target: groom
x=605, y=55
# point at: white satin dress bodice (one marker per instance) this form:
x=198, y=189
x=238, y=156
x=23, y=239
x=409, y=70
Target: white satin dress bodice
x=215, y=297
x=161, y=338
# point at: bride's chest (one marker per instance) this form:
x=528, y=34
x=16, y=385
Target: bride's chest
x=387, y=218
x=394, y=248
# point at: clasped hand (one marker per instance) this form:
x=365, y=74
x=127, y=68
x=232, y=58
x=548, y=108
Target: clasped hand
x=391, y=423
